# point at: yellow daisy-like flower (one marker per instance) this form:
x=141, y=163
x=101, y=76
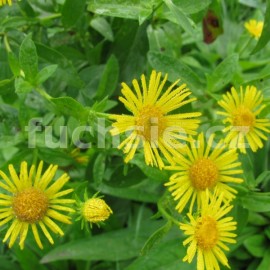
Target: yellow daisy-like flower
x=32, y=200
x=207, y=234
x=242, y=114
x=202, y=170
x=254, y=28
x=5, y=2
x=151, y=123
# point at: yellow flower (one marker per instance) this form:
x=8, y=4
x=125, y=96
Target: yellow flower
x=151, y=124
x=242, y=114
x=202, y=170
x=79, y=157
x=254, y=28
x=31, y=200
x=95, y=210
x=207, y=234
x=4, y=2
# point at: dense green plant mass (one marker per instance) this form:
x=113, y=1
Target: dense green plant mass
x=72, y=88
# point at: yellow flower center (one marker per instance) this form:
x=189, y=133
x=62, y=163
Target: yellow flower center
x=243, y=118
x=96, y=210
x=30, y=205
x=150, y=123
x=206, y=232
x=203, y=174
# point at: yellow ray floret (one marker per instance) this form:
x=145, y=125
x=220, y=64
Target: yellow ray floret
x=254, y=28
x=31, y=200
x=5, y=2
x=207, y=166
x=208, y=234
x=245, y=129
x=152, y=126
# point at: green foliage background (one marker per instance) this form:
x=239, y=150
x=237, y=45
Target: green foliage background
x=74, y=55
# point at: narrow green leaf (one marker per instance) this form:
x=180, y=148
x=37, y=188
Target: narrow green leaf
x=45, y=74
x=256, y=245
x=265, y=263
x=176, y=69
x=183, y=20
x=223, y=73
x=123, y=244
x=257, y=202
x=22, y=86
x=99, y=169
x=156, y=237
x=29, y=59
x=109, y=78
x=101, y=25
x=14, y=64
x=72, y=11
x=264, y=176
x=265, y=37
x=71, y=107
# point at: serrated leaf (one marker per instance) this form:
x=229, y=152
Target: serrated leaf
x=45, y=74
x=223, y=73
x=29, y=59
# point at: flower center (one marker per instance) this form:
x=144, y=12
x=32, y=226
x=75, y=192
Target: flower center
x=206, y=232
x=30, y=205
x=203, y=174
x=243, y=119
x=150, y=123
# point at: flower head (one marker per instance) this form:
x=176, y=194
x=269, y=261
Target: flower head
x=5, y=2
x=254, y=28
x=242, y=112
x=93, y=210
x=202, y=170
x=32, y=200
x=207, y=234
x=151, y=123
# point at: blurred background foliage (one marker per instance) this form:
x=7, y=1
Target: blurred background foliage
x=79, y=52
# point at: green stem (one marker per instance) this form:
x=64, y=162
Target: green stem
x=43, y=93
x=167, y=215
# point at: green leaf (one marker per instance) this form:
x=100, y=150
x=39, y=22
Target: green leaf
x=6, y=86
x=71, y=107
x=72, y=12
x=155, y=238
x=45, y=74
x=101, y=25
x=223, y=73
x=183, y=20
x=29, y=59
x=109, y=78
x=256, y=245
x=265, y=263
x=136, y=10
x=176, y=70
x=262, y=177
x=151, y=172
x=99, y=169
x=265, y=37
x=22, y=86
x=123, y=244
x=14, y=64
x=192, y=6
x=257, y=202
